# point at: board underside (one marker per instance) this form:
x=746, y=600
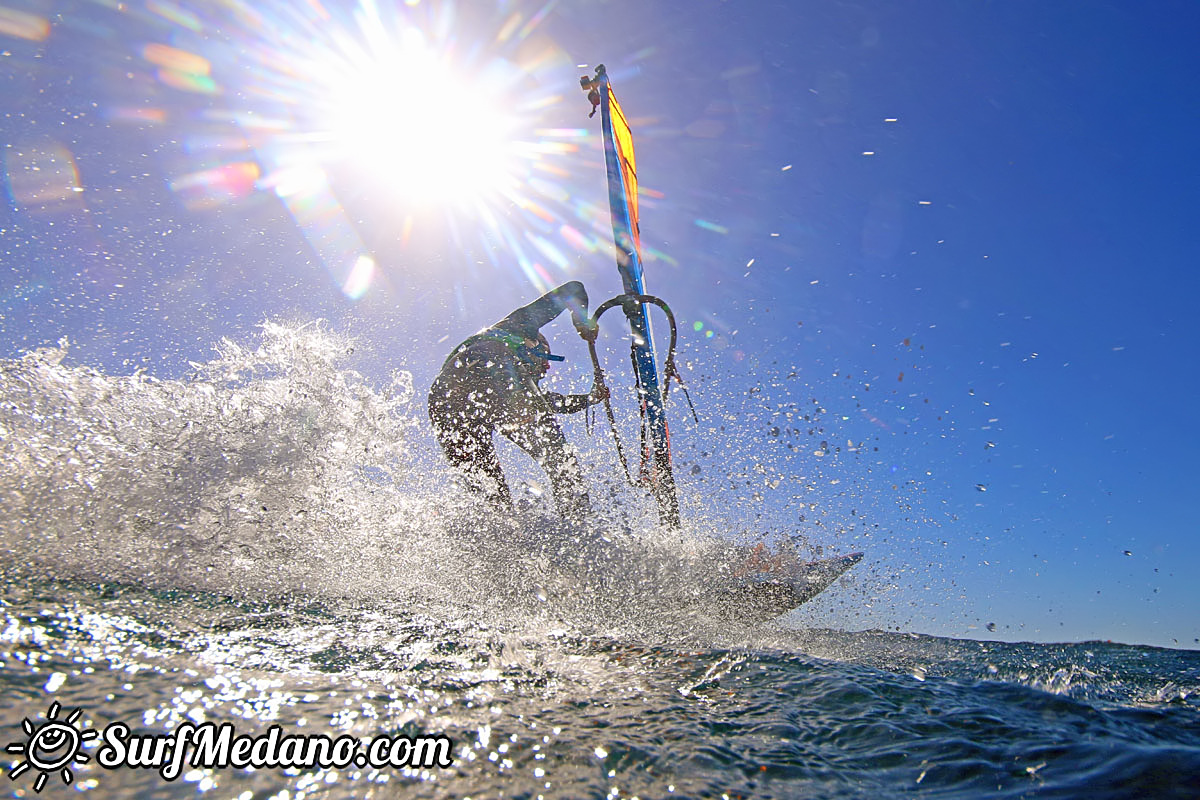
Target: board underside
x=761, y=596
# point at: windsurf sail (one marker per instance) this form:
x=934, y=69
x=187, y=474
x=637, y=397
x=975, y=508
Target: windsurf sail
x=621, y=167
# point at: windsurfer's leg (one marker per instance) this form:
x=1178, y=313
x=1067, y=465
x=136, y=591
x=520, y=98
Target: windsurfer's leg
x=469, y=448
x=544, y=441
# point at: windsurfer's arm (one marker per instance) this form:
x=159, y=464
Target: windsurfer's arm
x=529, y=319
x=574, y=403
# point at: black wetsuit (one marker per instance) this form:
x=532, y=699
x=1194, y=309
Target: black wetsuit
x=489, y=383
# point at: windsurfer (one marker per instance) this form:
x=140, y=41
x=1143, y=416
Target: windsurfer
x=491, y=382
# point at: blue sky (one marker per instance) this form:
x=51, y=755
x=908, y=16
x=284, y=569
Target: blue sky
x=960, y=231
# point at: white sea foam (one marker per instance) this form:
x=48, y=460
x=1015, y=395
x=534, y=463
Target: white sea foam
x=274, y=470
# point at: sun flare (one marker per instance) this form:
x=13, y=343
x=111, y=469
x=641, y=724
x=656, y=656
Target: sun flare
x=381, y=127
x=431, y=132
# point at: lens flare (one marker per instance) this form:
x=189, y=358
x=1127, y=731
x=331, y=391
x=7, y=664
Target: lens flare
x=429, y=131
x=384, y=130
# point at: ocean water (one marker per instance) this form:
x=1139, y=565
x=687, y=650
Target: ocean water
x=255, y=544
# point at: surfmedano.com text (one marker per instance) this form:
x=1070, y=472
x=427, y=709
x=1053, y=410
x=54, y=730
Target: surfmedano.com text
x=218, y=747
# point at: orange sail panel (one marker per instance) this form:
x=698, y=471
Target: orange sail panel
x=624, y=141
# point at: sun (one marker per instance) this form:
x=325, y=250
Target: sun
x=51, y=747
x=384, y=129
x=425, y=128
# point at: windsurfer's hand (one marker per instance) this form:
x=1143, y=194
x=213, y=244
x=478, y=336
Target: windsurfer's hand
x=588, y=328
x=598, y=394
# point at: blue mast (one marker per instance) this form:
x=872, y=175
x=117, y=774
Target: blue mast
x=622, y=197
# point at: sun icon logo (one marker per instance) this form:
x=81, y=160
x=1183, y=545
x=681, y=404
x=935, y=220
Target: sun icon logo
x=52, y=747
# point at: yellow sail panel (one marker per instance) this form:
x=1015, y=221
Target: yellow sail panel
x=624, y=141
